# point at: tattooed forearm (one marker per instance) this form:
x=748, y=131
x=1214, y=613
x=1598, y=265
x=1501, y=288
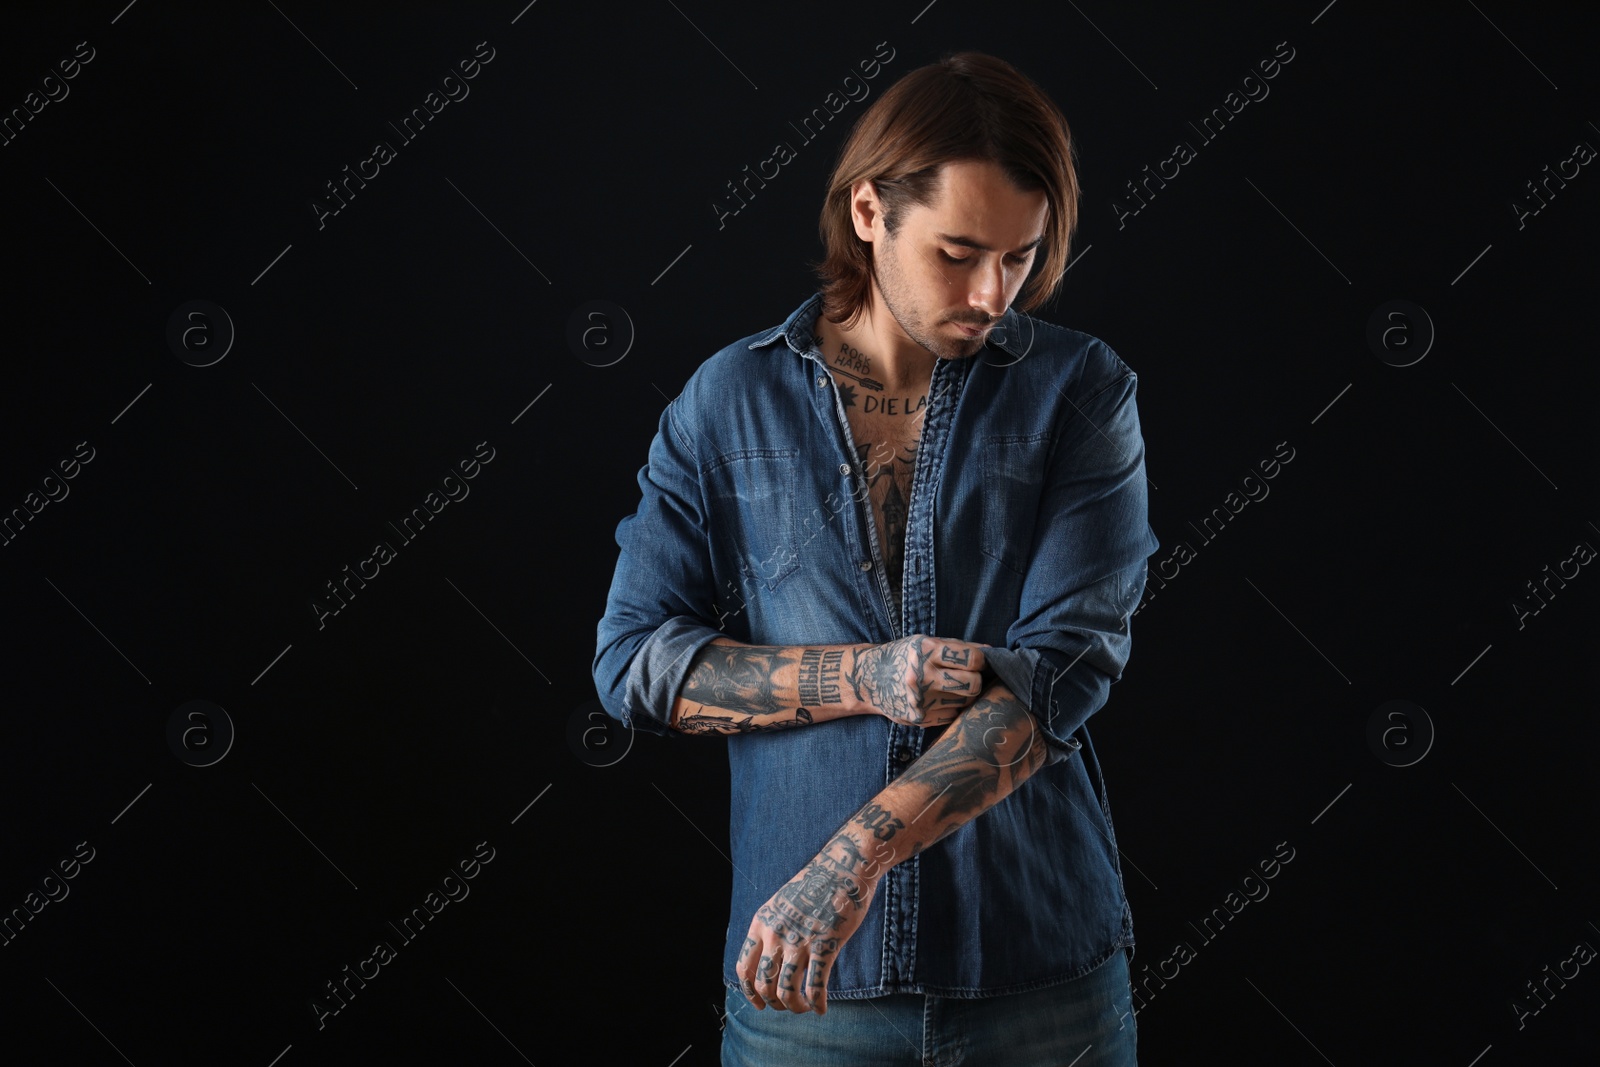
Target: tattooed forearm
x=981, y=758
x=819, y=676
x=736, y=677
x=698, y=723
x=732, y=688
x=991, y=749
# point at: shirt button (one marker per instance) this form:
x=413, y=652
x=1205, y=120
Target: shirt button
x=822, y=379
x=903, y=754
x=844, y=468
x=866, y=564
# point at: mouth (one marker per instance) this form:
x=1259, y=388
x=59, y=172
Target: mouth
x=970, y=331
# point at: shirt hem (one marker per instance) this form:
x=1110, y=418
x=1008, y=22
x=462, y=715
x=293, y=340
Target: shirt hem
x=967, y=992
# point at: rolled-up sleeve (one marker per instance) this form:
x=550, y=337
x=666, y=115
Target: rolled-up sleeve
x=656, y=616
x=1072, y=636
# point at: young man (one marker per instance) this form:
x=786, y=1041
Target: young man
x=922, y=845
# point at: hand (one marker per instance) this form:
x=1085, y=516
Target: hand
x=918, y=680
x=797, y=934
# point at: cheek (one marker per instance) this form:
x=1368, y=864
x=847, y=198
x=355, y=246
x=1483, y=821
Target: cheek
x=1015, y=281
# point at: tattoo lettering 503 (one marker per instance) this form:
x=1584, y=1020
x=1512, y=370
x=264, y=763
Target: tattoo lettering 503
x=881, y=821
x=819, y=676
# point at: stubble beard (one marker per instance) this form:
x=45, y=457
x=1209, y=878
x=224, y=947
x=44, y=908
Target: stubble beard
x=894, y=298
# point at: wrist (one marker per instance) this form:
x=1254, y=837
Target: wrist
x=854, y=698
x=855, y=850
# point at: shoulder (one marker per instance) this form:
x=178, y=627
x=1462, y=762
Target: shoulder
x=746, y=382
x=765, y=357
x=740, y=364
x=1043, y=354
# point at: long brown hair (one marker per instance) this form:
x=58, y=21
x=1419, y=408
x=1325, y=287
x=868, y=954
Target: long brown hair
x=966, y=106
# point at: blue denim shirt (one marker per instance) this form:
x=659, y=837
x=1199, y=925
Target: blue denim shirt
x=1027, y=532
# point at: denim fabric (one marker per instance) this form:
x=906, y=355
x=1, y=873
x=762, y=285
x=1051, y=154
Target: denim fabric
x=1027, y=532
x=1087, y=1022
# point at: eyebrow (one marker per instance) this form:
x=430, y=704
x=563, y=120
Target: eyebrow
x=967, y=242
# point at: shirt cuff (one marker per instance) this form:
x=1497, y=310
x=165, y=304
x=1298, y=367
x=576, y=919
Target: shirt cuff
x=655, y=677
x=1032, y=677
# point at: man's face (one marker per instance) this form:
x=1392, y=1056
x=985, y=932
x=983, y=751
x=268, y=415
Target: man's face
x=960, y=261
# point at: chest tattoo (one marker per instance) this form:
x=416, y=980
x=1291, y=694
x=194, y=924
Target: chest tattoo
x=886, y=427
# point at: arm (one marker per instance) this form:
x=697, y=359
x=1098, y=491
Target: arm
x=738, y=688
x=661, y=666
x=989, y=751
x=1069, y=643
x=1072, y=635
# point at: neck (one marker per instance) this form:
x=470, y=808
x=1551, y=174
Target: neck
x=877, y=350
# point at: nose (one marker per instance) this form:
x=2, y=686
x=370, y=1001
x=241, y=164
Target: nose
x=988, y=292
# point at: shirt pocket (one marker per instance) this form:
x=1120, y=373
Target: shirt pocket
x=751, y=497
x=1013, y=483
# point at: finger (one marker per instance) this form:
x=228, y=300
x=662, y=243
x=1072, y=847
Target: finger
x=791, y=985
x=952, y=693
x=766, y=978
x=817, y=985
x=955, y=680
x=744, y=970
x=963, y=654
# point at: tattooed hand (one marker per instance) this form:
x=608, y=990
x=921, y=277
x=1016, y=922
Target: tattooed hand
x=918, y=680
x=796, y=935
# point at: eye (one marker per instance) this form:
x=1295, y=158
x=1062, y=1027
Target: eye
x=1014, y=260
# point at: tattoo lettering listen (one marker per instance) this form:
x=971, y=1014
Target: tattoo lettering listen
x=819, y=676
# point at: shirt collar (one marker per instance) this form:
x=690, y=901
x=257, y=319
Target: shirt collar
x=799, y=327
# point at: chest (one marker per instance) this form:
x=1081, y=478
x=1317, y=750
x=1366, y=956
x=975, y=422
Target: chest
x=886, y=428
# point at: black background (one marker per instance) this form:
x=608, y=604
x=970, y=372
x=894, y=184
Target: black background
x=372, y=353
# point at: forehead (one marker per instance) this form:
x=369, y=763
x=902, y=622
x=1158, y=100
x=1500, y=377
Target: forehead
x=975, y=199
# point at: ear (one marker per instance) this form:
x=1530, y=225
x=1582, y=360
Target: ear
x=866, y=210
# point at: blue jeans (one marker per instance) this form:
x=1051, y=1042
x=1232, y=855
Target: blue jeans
x=1087, y=1022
